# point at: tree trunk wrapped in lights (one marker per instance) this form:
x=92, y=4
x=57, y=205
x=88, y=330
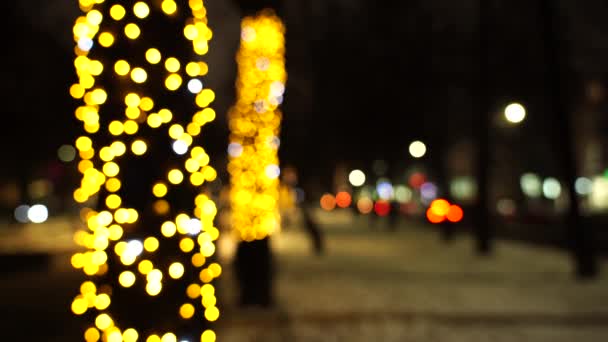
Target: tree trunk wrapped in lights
x=254, y=141
x=148, y=225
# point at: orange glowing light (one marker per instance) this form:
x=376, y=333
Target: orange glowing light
x=430, y=215
x=382, y=208
x=343, y=199
x=365, y=205
x=328, y=202
x=440, y=207
x=455, y=213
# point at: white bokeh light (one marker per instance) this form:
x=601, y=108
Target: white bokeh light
x=273, y=171
x=180, y=147
x=38, y=213
x=417, y=149
x=552, y=188
x=195, y=86
x=515, y=113
x=356, y=178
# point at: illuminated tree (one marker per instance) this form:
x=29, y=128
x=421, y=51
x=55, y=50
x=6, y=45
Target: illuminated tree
x=254, y=141
x=148, y=221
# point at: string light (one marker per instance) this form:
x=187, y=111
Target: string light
x=254, y=123
x=124, y=248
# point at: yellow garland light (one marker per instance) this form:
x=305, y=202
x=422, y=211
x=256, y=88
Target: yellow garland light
x=254, y=125
x=111, y=255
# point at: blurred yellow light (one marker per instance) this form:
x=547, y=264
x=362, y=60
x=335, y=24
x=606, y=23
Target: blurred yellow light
x=99, y=96
x=216, y=269
x=113, y=184
x=133, y=113
x=154, y=288
x=212, y=314
x=172, y=64
x=77, y=91
x=122, y=68
x=116, y=128
x=111, y=169
x=176, y=131
x=153, y=338
x=106, y=154
x=198, y=260
x=173, y=82
x=141, y=10
x=193, y=291
x=208, y=336
x=193, y=69
x=79, y=306
x=145, y=266
x=168, y=229
x=139, y=75
x=106, y=39
x=92, y=335
x=132, y=100
x=102, y=301
x=153, y=56
x=186, y=245
x=186, y=311
x=190, y=32
x=165, y=115
x=117, y=12
x=159, y=190
x=94, y=17
x=169, y=7
x=113, y=201
x=113, y=335
x=205, y=97
x=209, y=301
x=103, y=321
x=126, y=279
x=169, y=337
x=175, y=176
x=130, y=335
x=131, y=127
x=115, y=232
x=119, y=148
x=139, y=147
x=154, y=120
x=132, y=31
x=151, y=244
x=207, y=290
x=176, y=270
x=146, y=104
x=84, y=143
x=204, y=68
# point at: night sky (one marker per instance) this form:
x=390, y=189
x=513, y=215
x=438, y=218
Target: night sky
x=365, y=79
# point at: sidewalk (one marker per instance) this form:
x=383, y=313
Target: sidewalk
x=372, y=285
x=409, y=286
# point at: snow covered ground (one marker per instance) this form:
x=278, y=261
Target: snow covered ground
x=373, y=284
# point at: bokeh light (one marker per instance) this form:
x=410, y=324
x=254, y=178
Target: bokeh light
x=38, y=213
x=356, y=178
x=328, y=202
x=417, y=149
x=552, y=189
x=343, y=199
x=515, y=113
x=123, y=245
x=382, y=208
x=253, y=164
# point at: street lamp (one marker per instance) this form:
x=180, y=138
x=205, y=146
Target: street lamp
x=356, y=178
x=417, y=149
x=515, y=113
